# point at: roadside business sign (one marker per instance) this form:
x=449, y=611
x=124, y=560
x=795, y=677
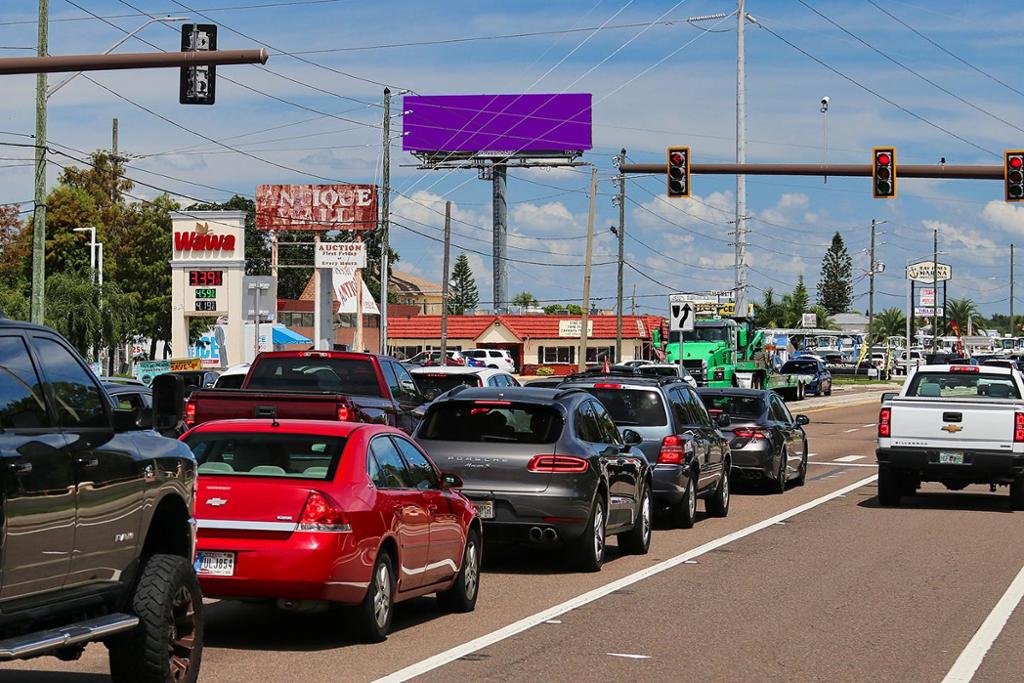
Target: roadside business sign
x=922, y=272
x=926, y=311
x=316, y=207
x=573, y=328
x=340, y=255
x=146, y=370
x=927, y=297
x=809, y=320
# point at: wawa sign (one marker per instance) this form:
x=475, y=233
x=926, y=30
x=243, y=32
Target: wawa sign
x=202, y=239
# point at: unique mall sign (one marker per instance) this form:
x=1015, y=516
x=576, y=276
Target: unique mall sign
x=316, y=207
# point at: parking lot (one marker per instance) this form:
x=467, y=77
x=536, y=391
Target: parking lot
x=819, y=583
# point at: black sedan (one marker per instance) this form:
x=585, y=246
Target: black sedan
x=765, y=440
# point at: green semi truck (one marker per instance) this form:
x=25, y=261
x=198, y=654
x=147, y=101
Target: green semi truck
x=725, y=352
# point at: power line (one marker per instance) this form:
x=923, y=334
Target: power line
x=262, y=5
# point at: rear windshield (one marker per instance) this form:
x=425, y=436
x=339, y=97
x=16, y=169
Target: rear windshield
x=750, y=407
x=962, y=385
x=491, y=421
x=229, y=381
x=659, y=370
x=433, y=385
x=475, y=354
x=192, y=379
x=808, y=366
x=327, y=375
x=266, y=455
x=632, y=407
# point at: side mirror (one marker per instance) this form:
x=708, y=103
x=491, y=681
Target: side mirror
x=802, y=420
x=168, y=402
x=125, y=420
x=889, y=395
x=631, y=437
x=145, y=419
x=450, y=480
x=723, y=421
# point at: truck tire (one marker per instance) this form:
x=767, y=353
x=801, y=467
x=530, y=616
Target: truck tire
x=718, y=504
x=588, y=550
x=373, y=616
x=1017, y=494
x=461, y=597
x=167, y=645
x=685, y=511
x=890, y=486
x=637, y=541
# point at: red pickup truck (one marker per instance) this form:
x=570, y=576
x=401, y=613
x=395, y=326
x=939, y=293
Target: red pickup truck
x=316, y=385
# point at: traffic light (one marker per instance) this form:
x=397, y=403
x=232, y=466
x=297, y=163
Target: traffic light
x=883, y=172
x=197, y=83
x=678, y=171
x=1013, y=172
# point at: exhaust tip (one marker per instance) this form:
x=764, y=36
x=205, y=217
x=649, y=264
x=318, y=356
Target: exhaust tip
x=550, y=535
x=536, y=534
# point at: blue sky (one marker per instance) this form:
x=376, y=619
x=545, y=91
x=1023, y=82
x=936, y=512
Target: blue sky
x=653, y=85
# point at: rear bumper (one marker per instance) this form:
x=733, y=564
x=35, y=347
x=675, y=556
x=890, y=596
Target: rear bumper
x=753, y=461
x=980, y=467
x=669, y=483
x=567, y=511
x=296, y=566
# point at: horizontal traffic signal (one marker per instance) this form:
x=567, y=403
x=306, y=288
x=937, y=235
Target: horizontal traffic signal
x=678, y=171
x=1013, y=173
x=883, y=172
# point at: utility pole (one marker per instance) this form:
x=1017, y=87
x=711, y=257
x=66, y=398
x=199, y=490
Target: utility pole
x=622, y=253
x=871, y=283
x=935, y=290
x=113, y=138
x=741, y=157
x=500, y=208
x=585, y=319
x=39, y=209
x=444, y=283
x=633, y=307
x=385, y=217
x=1011, y=290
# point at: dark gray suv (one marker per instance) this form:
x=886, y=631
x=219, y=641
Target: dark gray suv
x=545, y=466
x=687, y=452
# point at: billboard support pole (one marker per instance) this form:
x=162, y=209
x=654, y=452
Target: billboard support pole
x=585, y=318
x=500, y=206
x=385, y=216
x=357, y=339
x=935, y=291
x=444, y=283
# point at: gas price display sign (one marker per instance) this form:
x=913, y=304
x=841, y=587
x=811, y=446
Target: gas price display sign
x=205, y=286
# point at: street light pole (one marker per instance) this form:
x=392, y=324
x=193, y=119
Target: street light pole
x=92, y=249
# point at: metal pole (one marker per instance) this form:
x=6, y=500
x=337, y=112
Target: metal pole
x=910, y=317
x=741, y=157
x=912, y=321
x=135, y=60
x=1011, y=290
x=256, y=326
x=585, y=318
x=622, y=253
x=944, y=287
x=39, y=209
x=445, y=283
x=357, y=338
x=871, y=281
x=498, y=181
x=935, y=290
x=947, y=171
x=385, y=218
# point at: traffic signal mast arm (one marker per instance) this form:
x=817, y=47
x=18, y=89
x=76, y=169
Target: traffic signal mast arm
x=144, y=60
x=979, y=172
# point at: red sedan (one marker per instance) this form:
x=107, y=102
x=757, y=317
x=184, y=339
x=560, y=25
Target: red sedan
x=312, y=513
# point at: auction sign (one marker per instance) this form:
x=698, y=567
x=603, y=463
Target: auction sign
x=316, y=207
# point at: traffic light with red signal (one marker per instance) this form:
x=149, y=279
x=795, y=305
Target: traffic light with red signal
x=883, y=172
x=678, y=171
x=1013, y=173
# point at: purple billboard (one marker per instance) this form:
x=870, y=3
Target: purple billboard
x=497, y=124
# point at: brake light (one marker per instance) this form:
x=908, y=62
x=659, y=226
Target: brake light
x=1018, y=427
x=320, y=513
x=492, y=403
x=345, y=412
x=559, y=464
x=190, y=413
x=964, y=368
x=607, y=386
x=885, y=423
x=747, y=433
x=673, y=451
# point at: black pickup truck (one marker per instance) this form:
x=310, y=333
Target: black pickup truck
x=98, y=532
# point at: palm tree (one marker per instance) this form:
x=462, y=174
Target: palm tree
x=890, y=322
x=524, y=300
x=963, y=311
x=769, y=312
x=825, y=321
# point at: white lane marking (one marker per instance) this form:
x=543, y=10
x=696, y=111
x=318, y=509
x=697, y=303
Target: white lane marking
x=811, y=455
x=515, y=628
x=627, y=656
x=870, y=424
x=970, y=659
x=553, y=621
x=848, y=431
x=844, y=464
x=849, y=458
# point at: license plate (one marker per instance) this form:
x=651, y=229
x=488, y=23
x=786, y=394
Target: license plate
x=484, y=508
x=951, y=458
x=215, y=563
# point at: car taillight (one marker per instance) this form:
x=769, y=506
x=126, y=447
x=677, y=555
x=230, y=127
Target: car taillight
x=559, y=464
x=190, y=413
x=673, y=451
x=320, y=513
x=602, y=385
x=964, y=368
x=885, y=423
x=345, y=412
x=1018, y=427
x=746, y=433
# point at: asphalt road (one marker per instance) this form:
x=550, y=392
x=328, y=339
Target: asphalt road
x=819, y=583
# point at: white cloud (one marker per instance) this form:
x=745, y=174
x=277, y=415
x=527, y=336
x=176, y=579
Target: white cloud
x=550, y=216
x=793, y=200
x=965, y=243
x=1007, y=217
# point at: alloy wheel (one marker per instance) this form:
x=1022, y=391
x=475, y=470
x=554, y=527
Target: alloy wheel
x=472, y=569
x=725, y=490
x=598, y=532
x=691, y=497
x=645, y=517
x=182, y=635
x=382, y=598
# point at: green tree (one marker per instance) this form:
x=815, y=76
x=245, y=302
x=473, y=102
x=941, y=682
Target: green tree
x=769, y=312
x=891, y=322
x=463, y=292
x=87, y=317
x=573, y=309
x=825, y=321
x=524, y=299
x=835, y=288
x=257, y=241
x=795, y=304
x=961, y=311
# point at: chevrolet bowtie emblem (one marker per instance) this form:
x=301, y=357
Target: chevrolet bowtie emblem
x=216, y=502
x=952, y=429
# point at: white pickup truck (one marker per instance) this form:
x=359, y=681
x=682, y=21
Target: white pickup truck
x=955, y=424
